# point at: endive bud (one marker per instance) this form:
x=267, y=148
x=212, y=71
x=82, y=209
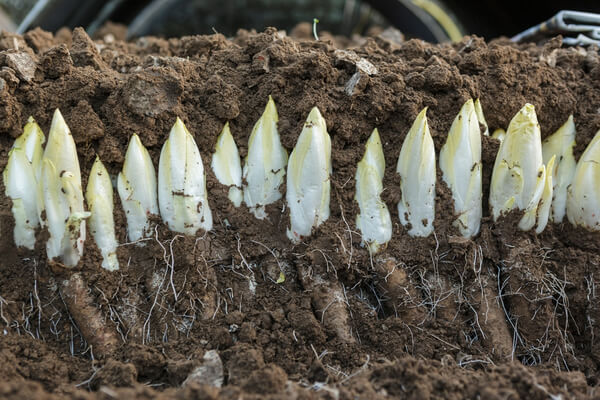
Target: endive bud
x=137, y=189
x=64, y=214
x=31, y=142
x=416, y=166
x=308, y=185
x=60, y=148
x=99, y=197
x=481, y=117
x=182, y=195
x=265, y=164
x=543, y=212
x=583, y=195
x=499, y=134
x=19, y=180
x=460, y=162
x=519, y=174
x=561, y=144
x=374, y=220
x=20, y=177
x=226, y=165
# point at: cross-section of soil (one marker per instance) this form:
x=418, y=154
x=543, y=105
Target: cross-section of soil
x=240, y=310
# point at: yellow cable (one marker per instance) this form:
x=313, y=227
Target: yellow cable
x=442, y=18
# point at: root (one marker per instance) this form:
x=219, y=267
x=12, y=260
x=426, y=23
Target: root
x=330, y=305
x=438, y=295
x=533, y=316
x=2, y=316
x=490, y=320
x=592, y=308
x=101, y=337
x=396, y=286
x=173, y=308
x=496, y=336
x=332, y=310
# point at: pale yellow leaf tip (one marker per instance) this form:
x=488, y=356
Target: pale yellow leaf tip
x=499, y=134
x=271, y=110
x=480, y=116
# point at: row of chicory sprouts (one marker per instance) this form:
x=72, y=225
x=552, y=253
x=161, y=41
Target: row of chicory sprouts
x=542, y=180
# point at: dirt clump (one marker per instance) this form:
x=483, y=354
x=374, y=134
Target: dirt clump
x=240, y=311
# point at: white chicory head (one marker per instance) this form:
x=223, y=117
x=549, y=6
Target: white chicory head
x=62, y=194
x=583, y=195
x=226, y=165
x=519, y=175
x=416, y=166
x=560, y=144
x=308, y=184
x=264, y=167
x=374, y=221
x=136, y=185
x=65, y=216
x=99, y=197
x=182, y=196
x=19, y=180
x=21, y=183
x=460, y=162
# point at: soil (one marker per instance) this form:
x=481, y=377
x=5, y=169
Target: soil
x=509, y=314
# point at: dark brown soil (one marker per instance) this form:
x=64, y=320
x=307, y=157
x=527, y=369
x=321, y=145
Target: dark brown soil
x=506, y=315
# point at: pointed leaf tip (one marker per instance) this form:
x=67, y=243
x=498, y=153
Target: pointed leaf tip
x=315, y=118
x=481, y=117
x=271, y=109
x=58, y=122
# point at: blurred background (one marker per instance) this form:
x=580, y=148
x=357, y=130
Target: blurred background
x=431, y=20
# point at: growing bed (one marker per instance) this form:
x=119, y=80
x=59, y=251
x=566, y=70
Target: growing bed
x=505, y=314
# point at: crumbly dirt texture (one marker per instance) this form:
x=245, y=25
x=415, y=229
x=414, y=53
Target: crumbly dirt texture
x=509, y=314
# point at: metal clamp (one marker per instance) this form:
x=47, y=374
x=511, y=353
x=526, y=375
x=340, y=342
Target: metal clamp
x=578, y=28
